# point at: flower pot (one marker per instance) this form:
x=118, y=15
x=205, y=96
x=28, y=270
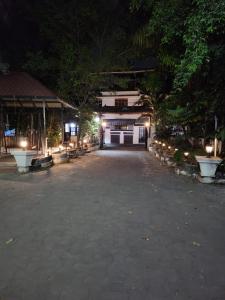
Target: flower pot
x=23, y=159
x=208, y=166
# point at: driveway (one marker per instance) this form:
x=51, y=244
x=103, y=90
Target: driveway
x=113, y=225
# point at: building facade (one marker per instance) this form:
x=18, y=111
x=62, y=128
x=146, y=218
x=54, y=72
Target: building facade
x=123, y=120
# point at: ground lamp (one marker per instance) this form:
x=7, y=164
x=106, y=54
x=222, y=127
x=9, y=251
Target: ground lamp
x=209, y=150
x=23, y=144
x=186, y=154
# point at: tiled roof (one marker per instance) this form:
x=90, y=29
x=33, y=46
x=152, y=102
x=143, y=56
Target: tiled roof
x=19, y=84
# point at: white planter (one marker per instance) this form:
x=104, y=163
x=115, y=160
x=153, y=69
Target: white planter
x=208, y=166
x=23, y=159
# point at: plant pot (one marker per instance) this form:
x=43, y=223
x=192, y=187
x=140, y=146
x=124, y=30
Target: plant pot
x=208, y=166
x=23, y=159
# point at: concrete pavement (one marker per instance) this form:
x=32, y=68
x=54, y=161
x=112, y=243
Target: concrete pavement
x=112, y=225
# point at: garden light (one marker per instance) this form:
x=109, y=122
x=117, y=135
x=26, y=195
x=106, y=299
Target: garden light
x=147, y=124
x=23, y=144
x=156, y=141
x=209, y=150
x=164, y=145
x=97, y=119
x=169, y=147
x=176, y=149
x=186, y=154
x=160, y=143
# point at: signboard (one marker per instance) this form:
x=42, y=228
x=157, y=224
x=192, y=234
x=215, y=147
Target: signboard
x=10, y=132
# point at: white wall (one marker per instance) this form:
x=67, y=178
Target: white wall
x=136, y=135
x=107, y=138
x=108, y=98
x=121, y=116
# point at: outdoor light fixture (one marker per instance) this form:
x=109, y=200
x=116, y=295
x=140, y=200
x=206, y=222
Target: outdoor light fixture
x=176, y=149
x=186, y=154
x=164, y=145
x=97, y=119
x=23, y=144
x=103, y=124
x=169, y=147
x=209, y=150
x=156, y=141
x=160, y=143
x=84, y=141
x=147, y=124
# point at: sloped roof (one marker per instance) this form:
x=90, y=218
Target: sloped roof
x=21, y=89
x=20, y=84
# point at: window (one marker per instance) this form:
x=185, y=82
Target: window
x=121, y=102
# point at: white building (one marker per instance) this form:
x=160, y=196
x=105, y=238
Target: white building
x=124, y=121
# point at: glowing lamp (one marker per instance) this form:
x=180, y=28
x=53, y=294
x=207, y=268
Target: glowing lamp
x=209, y=150
x=84, y=141
x=97, y=119
x=169, y=147
x=156, y=141
x=160, y=143
x=23, y=144
x=176, y=149
x=186, y=154
x=104, y=124
x=147, y=124
x=164, y=145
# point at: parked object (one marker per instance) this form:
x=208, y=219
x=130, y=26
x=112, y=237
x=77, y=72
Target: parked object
x=41, y=163
x=60, y=157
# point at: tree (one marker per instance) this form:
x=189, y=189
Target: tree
x=188, y=39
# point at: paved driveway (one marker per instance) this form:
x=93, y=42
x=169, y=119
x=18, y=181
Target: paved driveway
x=113, y=225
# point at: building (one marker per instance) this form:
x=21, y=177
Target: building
x=123, y=120
x=26, y=101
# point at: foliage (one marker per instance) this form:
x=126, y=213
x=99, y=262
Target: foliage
x=53, y=132
x=188, y=39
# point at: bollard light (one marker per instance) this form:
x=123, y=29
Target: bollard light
x=209, y=150
x=23, y=144
x=186, y=154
